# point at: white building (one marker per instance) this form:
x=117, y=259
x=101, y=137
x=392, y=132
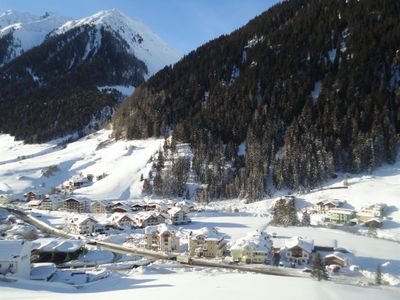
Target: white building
x=206, y=243
x=148, y=218
x=161, y=237
x=186, y=206
x=82, y=225
x=298, y=250
x=252, y=249
x=122, y=220
x=15, y=258
x=52, y=202
x=80, y=205
x=178, y=216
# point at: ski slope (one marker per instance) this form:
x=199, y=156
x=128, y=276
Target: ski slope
x=124, y=161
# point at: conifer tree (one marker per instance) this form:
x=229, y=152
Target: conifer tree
x=147, y=188
x=318, y=269
x=378, y=275
x=305, y=221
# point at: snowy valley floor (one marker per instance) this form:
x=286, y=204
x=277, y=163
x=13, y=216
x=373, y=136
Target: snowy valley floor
x=124, y=161
x=187, y=284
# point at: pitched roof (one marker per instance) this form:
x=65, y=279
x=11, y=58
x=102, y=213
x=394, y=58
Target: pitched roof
x=159, y=229
x=207, y=233
x=144, y=215
x=256, y=241
x=116, y=217
x=299, y=242
x=334, y=202
x=79, y=219
x=174, y=210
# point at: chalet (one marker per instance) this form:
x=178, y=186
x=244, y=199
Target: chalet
x=36, y=203
x=52, y=202
x=31, y=196
x=340, y=215
x=122, y=220
x=207, y=244
x=76, y=205
x=326, y=205
x=158, y=206
x=337, y=258
x=327, y=246
x=101, y=206
x=138, y=206
x=374, y=223
x=160, y=238
x=82, y=225
x=177, y=215
x=15, y=258
x=148, y=218
x=76, y=182
x=253, y=249
x=371, y=211
x=185, y=205
x=298, y=250
x=120, y=207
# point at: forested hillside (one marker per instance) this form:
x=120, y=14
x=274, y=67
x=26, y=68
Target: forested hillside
x=306, y=89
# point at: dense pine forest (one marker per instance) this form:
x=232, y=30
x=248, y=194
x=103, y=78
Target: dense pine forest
x=303, y=91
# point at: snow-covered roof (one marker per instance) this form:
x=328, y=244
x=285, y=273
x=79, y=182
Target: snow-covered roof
x=334, y=202
x=184, y=203
x=342, y=211
x=208, y=234
x=159, y=229
x=103, y=202
x=299, y=242
x=256, y=241
x=144, y=215
x=378, y=220
x=116, y=217
x=43, y=271
x=9, y=250
x=35, y=202
x=122, y=206
x=53, y=198
x=54, y=245
x=339, y=255
x=81, y=200
x=79, y=219
x=174, y=211
x=375, y=206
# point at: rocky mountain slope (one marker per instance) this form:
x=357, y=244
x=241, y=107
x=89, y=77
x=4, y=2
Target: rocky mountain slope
x=54, y=71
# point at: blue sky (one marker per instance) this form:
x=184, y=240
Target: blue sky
x=184, y=24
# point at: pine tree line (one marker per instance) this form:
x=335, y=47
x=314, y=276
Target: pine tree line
x=292, y=140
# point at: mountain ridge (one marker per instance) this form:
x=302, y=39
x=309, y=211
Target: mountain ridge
x=66, y=71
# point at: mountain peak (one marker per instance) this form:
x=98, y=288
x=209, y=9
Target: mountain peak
x=142, y=41
x=10, y=17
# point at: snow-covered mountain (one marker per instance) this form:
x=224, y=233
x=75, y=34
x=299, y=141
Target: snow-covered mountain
x=25, y=31
x=141, y=41
x=55, y=65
